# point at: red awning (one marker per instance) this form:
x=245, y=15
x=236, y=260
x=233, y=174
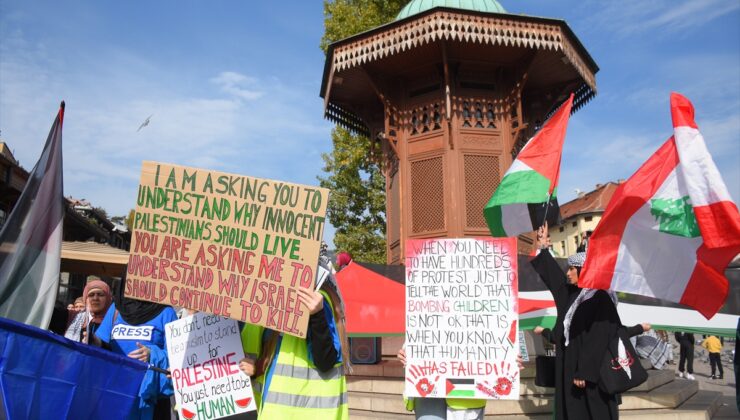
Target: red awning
x=374, y=304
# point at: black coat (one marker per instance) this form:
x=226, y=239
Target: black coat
x=685, y=339
x=595, y=321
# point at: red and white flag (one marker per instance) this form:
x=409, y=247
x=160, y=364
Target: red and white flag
x=672, y=228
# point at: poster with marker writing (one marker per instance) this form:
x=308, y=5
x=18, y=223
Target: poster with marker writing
x=226, y=244
x=204, y=351
x=461, y=318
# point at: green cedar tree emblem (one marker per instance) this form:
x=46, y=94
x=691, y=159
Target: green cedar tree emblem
x=675, y=216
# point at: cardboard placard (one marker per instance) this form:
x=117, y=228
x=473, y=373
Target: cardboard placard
x=461, y=318
x=204, y=351
x=226, y=244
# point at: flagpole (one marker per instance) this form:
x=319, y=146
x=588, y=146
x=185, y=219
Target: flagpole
x=547, y=207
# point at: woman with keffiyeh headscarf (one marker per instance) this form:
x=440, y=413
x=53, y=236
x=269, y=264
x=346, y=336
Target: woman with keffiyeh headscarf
x=97, y=299
x=587, y=319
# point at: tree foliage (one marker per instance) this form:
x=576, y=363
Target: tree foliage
x=357, y=202
x=344, y=18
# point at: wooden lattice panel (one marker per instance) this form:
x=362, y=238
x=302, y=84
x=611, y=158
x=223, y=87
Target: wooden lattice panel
x=427, y=195
x=482, y=176
x=454, y=26
x=479, y=112
x=425, y=118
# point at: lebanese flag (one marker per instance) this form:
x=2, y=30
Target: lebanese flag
x=528, y=192
x=672, y=228
x=31, y=239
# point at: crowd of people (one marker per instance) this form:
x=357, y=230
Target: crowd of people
x=305, y=378
x=292, y=377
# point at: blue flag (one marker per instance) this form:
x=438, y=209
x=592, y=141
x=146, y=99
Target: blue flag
x=46, y=376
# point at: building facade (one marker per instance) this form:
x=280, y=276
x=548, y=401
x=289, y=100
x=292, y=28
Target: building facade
x=579, y=217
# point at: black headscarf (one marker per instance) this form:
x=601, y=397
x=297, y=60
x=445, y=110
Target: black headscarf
x=133, y=311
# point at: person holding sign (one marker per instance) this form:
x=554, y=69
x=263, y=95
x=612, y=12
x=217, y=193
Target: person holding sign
x=586, y=319
x=136, y=328
x=303, y=378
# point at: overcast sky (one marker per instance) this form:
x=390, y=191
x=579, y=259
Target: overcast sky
x=234, y=86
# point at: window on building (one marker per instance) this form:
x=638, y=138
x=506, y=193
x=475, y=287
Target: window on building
x=589, y=218
x=562, y=228
x=562, y=245
x=575, y=224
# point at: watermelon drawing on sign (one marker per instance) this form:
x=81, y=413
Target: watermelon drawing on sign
x=189, y=415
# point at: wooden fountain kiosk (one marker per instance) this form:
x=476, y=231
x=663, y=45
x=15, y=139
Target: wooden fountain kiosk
x=447, y=97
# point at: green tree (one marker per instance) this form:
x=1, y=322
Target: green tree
x=357, y=202
x=344, y=18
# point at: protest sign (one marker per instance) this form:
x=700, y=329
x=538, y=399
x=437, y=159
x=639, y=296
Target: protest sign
x=204, y=352
x=226, y=244
x=461, y=318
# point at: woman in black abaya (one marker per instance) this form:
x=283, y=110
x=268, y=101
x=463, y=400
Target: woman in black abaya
x=587, y=319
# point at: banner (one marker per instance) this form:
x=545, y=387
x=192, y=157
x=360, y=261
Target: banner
x=46, y=376
x=225, y=244
x=204, y=352
x=461, y=318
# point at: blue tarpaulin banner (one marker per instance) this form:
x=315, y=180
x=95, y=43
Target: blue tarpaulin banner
x=46, y=376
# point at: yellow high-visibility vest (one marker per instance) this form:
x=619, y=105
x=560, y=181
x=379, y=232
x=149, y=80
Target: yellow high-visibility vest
x=456, y=403
x=298, y=390
x=252, y=344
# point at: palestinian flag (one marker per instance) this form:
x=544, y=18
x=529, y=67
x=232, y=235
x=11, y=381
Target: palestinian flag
x=460, y=387
x=672, y=228
x=536, y=308
x=31, y=239
x=528, y=192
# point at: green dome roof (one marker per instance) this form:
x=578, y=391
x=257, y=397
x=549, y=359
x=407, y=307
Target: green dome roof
x=418, y=6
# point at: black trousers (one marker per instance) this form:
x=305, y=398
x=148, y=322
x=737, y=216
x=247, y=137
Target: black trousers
x=716, y=361
x=686, y=358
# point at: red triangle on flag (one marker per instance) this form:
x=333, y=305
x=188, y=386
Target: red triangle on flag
x=544, y=151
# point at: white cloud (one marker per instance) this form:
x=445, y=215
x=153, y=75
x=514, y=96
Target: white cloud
x=664, y=17
x=249, y=125
x=237, y=85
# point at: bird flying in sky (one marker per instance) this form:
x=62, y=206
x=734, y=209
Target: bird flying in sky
x=145, y=123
